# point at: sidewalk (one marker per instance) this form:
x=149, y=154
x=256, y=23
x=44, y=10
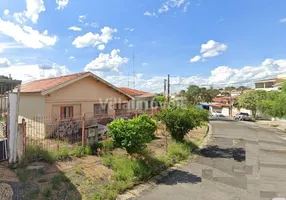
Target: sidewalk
x=275, y=124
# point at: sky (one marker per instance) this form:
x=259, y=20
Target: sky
x=214, y=43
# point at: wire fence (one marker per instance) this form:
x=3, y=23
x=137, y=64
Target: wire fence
x=52, y=133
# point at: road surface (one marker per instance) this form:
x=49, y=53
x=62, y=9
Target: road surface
x=241, y=162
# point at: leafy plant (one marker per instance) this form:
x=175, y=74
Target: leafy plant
x=132, y=134
x=47, y=192
x=180, y=121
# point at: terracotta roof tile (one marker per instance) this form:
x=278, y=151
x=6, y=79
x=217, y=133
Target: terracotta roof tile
x=45, y=84
x=134, y=93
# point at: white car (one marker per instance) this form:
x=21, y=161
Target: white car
x=217, y=114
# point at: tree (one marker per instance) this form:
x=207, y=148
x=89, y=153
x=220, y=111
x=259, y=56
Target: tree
x=251, y=100
x=195, y=94
x=160, y=99
x=274, y=103
x=230, y=88
x=180, y=121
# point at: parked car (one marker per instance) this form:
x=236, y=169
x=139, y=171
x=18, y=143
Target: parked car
x=242, y=117
x=217, y=114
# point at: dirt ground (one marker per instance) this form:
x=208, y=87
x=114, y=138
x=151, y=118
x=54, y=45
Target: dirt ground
x=76, y=178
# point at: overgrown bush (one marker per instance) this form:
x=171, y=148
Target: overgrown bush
x=132, y=134
x=180, y=121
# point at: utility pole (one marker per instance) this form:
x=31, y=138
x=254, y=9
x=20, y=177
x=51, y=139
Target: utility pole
x=165, y=88
x=168, y=89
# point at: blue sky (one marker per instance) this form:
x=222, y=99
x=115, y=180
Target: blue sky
x=202, y=42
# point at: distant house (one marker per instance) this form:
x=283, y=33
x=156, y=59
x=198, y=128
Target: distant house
x=222, y=105
x=69, y=96
x=271, y=84
x=141, y=100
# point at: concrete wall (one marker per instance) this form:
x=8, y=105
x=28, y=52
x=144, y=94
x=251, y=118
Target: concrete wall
x=31, y=105
x=83, y=94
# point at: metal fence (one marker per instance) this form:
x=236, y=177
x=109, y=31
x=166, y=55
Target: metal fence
x=53, y=133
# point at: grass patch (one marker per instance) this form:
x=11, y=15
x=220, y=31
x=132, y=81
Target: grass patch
x=47, y=192
x=43, y=180
x=22, y=175
x=33, y=194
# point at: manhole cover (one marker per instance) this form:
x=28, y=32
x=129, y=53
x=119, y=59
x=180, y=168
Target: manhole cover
x=6, y=192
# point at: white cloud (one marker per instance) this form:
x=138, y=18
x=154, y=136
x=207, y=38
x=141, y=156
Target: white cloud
x=6, y=12
x=126, y=41
x=4, y=62
x=74, y=28
x=153, y=14
x=117, y=38
x=195, y=59
x=26, y=35
x=171, y=4
x=71, y=58
x=34, y=8
x=212, y=49
x=107, y=62
x=129, y=29
x=130, y=45
x=144, y=64
x=101, y=47
x=10, y=45
x=20, y=17
x=81, y=18
x=62, y=4
x=221, y=76
x=91, y=39
x=185, y=9
x=283, y=20
x=28, y=73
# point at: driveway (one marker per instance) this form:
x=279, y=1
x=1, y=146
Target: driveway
x=241, y=162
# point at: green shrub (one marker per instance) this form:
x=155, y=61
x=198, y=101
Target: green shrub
x=47, y=193
x=132, y=134
x=78, y=151
x=180, y=121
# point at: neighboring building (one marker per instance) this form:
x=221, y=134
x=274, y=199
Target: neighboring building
x=69, y=96
x=222, y=105
x=141, y=100
x=271, y=84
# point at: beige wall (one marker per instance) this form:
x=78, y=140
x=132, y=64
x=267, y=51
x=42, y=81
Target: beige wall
x=83, y=94
x=31, y=105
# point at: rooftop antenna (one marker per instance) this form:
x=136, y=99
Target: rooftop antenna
x=133, y=70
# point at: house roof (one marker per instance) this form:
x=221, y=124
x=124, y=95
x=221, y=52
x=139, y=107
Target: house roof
x=220, y=105
x=136, y=93
x=267, y=80
x=46, y=86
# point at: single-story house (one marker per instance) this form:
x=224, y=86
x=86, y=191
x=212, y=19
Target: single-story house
x=68, y=97
x=224, y=109
x=141, y=100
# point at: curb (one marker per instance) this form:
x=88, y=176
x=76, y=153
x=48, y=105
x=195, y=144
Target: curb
x=140, y=189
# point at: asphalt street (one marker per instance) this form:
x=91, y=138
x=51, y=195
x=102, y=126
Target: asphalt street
x=242, y=161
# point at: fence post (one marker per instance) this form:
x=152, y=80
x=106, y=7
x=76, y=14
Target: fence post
x=83, y=130
x=24, y=135
x=114, y=114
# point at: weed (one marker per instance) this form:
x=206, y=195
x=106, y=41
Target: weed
x=107, y=145
x=47, y=192
x=63, y=153
x=43, y=180
x=78, y=169
x=87, y=150
x=178, y=151
x=22, y=175
x=57, y=180
x=41, y=171
x=33, y=194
